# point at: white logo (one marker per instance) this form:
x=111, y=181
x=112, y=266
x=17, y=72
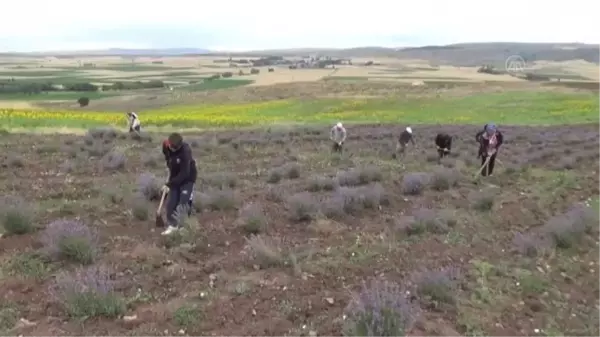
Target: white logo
x=515, y=64
x=177, y=160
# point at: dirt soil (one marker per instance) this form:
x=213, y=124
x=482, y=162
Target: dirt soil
x=216, y=282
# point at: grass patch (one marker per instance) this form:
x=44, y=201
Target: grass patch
x=33, y=73
x=517, y=108
x=56, y=95
x=215, y=84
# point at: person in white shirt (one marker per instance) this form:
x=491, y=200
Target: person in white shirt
x=338, y=136
x=134, y=122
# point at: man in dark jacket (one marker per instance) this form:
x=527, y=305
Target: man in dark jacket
x=489, y=140
x=443, y=142
x=182, y=177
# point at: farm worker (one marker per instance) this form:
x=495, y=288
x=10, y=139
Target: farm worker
x=443, y=142
x=405, y=137
x=134, y=122
x=338, y=136
x=182, y=177
x=489, y=140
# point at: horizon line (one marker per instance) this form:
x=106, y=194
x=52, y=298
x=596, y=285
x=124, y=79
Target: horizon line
x=209, y=50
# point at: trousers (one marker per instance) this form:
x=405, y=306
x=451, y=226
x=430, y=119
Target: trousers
x=179, y=196
x=490, y=167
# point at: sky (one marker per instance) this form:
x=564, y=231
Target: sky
x=236, y=25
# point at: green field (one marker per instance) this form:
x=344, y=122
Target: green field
x=35, y=73
x=515, y=108
x=215, y=84
x=56, y=96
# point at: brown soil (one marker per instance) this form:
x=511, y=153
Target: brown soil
x=333, y=255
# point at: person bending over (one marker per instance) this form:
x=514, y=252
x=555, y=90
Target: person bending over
x=490, y=140
x=134, y=122
x=338, y=136
x=405, y=137
x=443, y=142
x=182, y=177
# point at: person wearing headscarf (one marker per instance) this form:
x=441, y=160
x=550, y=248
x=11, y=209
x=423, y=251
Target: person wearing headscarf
x=490, y=140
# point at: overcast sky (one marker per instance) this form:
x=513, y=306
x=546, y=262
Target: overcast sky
x=42, y=25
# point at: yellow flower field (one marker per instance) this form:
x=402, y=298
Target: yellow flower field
x=506, y=108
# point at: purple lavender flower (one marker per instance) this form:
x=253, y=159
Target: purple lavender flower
x=149, y=186
x=380, y=309
x=71, y=240
x=88, y=292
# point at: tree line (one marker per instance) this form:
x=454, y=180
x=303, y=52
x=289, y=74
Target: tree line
x=16, y=87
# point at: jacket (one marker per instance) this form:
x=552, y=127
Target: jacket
x=484, y=142
x=181, y=164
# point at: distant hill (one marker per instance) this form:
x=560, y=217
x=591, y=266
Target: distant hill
x=462, y=54
x=117, y=52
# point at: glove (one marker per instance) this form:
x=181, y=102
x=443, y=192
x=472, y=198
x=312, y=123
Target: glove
x=164, y=189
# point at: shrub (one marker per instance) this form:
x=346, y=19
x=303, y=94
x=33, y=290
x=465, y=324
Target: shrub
x=267, y=251
x=353, y=200
x=359, y=176
x=414, y=183
x=566, y=229
x=253, y=219
x=443, y=179
x=319, y=183
x=438, y=286
x=100, y=133
x=274, y=176
x=427, y=220
x=275, y=193
x=530, y=244
x=140, y=207
x=87, y=293
x=70, y=240
x=380, y=309
x=219, y=200
x=149, y=186
x=114, y=160
x=16, y=216
x=221, y=180
x=482, y=201
x=83, y=101
x=302, y=207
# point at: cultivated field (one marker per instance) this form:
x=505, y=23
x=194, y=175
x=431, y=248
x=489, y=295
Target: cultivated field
x=187, y=76
x=287, y=238
x=284, y=232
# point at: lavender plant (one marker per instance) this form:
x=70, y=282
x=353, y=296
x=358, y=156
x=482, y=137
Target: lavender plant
x=566, y=229
x=16, y=216
x=70, y=240
x=414, y=183
x=88, y=292
x=114, y=160
x=252, y=218
x=438, y=286
x=302, y=207
x=149, y=186
x=380, y=309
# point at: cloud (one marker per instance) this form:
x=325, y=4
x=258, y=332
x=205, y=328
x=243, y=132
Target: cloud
x=261, y=24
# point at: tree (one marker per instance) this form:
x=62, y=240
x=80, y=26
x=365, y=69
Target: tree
x=83, y=101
